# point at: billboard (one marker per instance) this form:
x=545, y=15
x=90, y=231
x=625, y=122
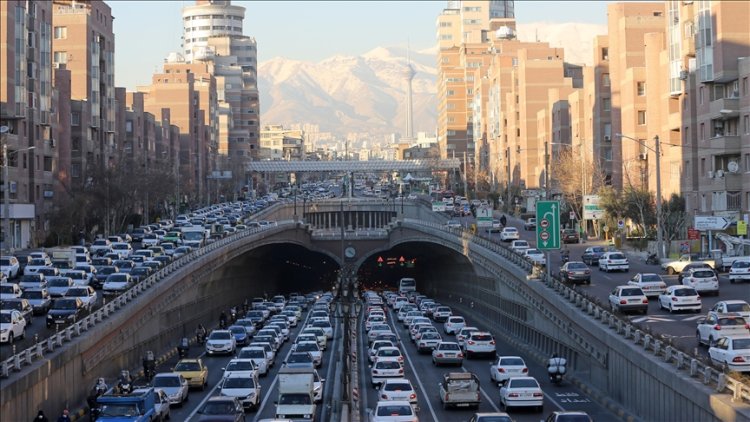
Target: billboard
x=591, y=210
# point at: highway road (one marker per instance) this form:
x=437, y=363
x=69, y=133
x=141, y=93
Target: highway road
x=425, y=378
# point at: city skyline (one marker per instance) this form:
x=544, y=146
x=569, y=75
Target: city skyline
x=135, y=63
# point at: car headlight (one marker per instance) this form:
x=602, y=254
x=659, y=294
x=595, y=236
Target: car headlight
x=4, y=330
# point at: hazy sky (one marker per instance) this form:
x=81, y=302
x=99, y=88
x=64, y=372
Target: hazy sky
x=146, y=31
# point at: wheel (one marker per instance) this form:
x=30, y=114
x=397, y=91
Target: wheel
x=698, y=338
x=711, y=341
x=670, y=271
x=445, y=405
x=10, y=338
x=670, y=308
x=23, y=334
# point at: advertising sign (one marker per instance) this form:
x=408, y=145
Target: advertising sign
x=591, y=210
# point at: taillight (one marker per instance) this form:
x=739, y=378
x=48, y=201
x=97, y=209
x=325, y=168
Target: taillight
x=738, y=359
x=461, y=355
x=470, y=342
x=501, y=370
x=538, y=394
x=375, y=371
x=384, y=397
x=400, y=358
x=401, y=371
x=439, y=355
x=412, y=396
x=492, y=341
x=513, y=395
x=747, y=326
x=674, y=299
x=645, y=300
x=717, y=327
x=525, y=370
x=623, y=301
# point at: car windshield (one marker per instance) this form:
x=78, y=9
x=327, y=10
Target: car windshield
x=616, y=256
x=647, y=278
x=299, y=358
x=239, y=382
x=481, y=337
x=38, y=261
x=736, y=264
x=632, y=292
x=187, y=366
x=510, y=229
x=512, y=362
x=64, y=304
x=573, y=418
x=523, y=383
x=533, y=252
x=59, y=282
x=308, y=347
x=398, y=386
x=577, y=266
x=294, y=399
x=388, y=352
x=219, y=408
x=252, y=354
x=240, y=366
x=4, y=261
x=14, y=304
x=387, y=365
x=703, y=274
x=6, y=288
x=120, y=410
x=741, y=344
x=77, y=292
x=28, y=278
x=731, y=321
x=738, y=307
x=31, y=294
x=166, y=382
x=685, y=292
x=494, y=419
x=394, y=410
x=220, y=335
x=238, y=330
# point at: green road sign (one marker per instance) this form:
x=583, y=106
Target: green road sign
x=548, y=225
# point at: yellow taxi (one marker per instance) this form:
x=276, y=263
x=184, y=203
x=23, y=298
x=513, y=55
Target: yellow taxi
x=194, y=371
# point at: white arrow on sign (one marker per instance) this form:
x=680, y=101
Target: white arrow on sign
x=709, y=222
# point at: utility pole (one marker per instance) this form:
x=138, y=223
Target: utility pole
x=507, y=155
x=659, y=237
x=466, y=182
x=548, y=255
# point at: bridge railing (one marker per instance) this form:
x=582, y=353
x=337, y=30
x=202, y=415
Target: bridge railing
x=42, y=347
x=683, y=361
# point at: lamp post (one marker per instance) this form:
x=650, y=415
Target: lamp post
x=657, y=150
x=6, y=198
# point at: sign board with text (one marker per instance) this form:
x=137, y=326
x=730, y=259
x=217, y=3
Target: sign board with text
x=591, y=209
x=694, y=234
x=710, y=222
x=742, y=228
x=548, y=225
x=484, y=221
x=438, y=206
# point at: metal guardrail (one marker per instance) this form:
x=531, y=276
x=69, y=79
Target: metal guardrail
x=681, y=360
x=37, y=351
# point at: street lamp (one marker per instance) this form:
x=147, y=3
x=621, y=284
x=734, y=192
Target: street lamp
x=657, y=150
x=6, y=198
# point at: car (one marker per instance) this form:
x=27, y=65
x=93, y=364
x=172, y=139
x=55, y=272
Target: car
x=693, y=266
x=628, y=298
x=479, y=343
x=79, y=277
x=453, y=224
x=592, y=254
x=161, y=402
x=393, y=411
x=39, y=299
x=243, y=367
x=737, y=306
x=194, y=371
x=716, y=325
x=21, y=305
x=259, y=357
x=240, y=335
x=12, y=326
x=739, y=271
x=32, y=281
x=102, y=272
x=220, y=341
x=268, y=348
x=702, y=280
x=398, y=389
x=10, y=291
x=732, y=353
x=174, y=385
x=441, y=313
x=122, y=249
x=464, y=333
x=454, y=324
x=299, y=360
x=496, y=226
x=509, y=233
x=376, y=330
x=614, y=261
x=312, y=348
x=100, y=247
x=87, y=294
x=428, y=341
x=678, y=298
x=568, y=416
x=575, y=271
x=10, y=266
x=505, y=367
x=522, y=392
x=65, y=311
x=245, y=389
x=383, y=370
x=389, y=354
x=491, y=417
x=519, y=246
x=530, y=224
x=117, y=283
x=447, y=353
x=569, y=236
x=140, y=273
x=376, y=345
x=651, y=284
x=535, y=256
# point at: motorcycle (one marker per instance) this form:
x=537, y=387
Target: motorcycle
x=125, y=384
x=183, y=347
x=652, y=259
x=200, y=338
x=149, y=365
x=564, y=257
x=556, y=369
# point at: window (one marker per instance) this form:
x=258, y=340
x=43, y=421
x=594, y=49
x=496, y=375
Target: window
x=75, y=119
x=700, y=95
x=61, y=32
x=703, y=166
x=451, y=93
x=605, y=79
x=747, y=162
x=746, y=123
x=60, y=57
x=605, y=53
x=641, y=88
x=745, y=86
x=129, y=126
x=75, y=169
x=47, y=163
x=703, y=132
x=606, y=104
x=641, y=117
x=472, y=9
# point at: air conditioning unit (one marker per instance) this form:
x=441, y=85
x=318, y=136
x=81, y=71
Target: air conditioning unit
x=607, y=139
x=52, y=143
x=643, y=156
x=683, y=75
x=710, y=174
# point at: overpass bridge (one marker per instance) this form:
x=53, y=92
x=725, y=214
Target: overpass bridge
x=306, y=250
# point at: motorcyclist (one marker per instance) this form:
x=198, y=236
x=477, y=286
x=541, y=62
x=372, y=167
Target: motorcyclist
x=223, y=320
x=556, y=368
x=149, y=365
x=233, y=313
x=200, y=334
x=183, y=347
x=125, y=382
x=565, y=254
x=100, y=387
x=503, y=220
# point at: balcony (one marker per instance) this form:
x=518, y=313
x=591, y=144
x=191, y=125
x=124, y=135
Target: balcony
x=720, y=145
x=724, y=182
x=675, y=120
x=725, y=108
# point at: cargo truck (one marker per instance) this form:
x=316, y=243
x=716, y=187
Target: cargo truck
x=128, y=407
x=63, y=258
x=296, y=394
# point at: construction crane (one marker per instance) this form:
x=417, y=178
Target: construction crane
x=735, y=247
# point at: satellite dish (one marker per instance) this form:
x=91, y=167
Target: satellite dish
x=719, y=173
x=733, y=167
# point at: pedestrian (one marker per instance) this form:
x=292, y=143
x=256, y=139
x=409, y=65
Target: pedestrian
x=503, y=220
x=41, y=417
x=65, y=417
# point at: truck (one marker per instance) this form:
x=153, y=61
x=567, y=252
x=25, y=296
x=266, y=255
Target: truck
x=137, y=407
x=63, y=257
x=459, y=389
x=296, y=394
x=735, y=248
x=195, y=236
x=674, y=267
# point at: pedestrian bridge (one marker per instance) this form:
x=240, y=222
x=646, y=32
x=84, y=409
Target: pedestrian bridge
x=621, y=366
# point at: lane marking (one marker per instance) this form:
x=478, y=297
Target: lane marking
x=652, y=319
x=484, y=393
x=693, y=318
x=205, y=399
x=558, y=405
x=408, y=359
x=323, y=412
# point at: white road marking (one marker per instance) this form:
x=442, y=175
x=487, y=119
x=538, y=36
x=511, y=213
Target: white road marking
x=652, y=319
x=558, y=405
x=693, y=318
x=484, y=393
x=200, y=405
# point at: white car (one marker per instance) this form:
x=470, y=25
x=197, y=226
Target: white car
x=384, y=370
x=174, y=385
x=738, y=306
x=161, y=402
x=739, y=271
x=100, y=247
x=703, y=280
x=522, y=392
x=116, y=283
x=732, y=353
x=123, y=249
x=87, y=294
x=509, y=233
x=150, y=239
x=678, y=298
x=441, y=313
x=479, y=343
x=10, y=291
x=463, y=334
x=245, y=388
x=454, y=324
x=12, y=325
x=716, y=325
x=628, y=298
x=57, y=286
x=393, y=411
x=270, y=353
x=651, y=284
x=220, y=341
x=36, y=264
x=376, y=330
x=312, y=348
x=535, y=256
x=398, y=389
x=505, y=367
x=392, y=354
x=258, y=356
x=376, y=345
x=610, y=261
x=10, y=266
x=428, y=341
x=80, y=277
x=519, y=246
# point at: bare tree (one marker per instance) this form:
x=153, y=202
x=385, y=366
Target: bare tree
x=572, y=175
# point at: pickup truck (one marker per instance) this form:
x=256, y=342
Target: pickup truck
x=459, y=389
x=674, y=267
x=128, y=407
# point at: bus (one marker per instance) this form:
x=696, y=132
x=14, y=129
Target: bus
x=407, y=285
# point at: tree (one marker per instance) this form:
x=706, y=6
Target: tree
x=572, y=175
x=673, y=217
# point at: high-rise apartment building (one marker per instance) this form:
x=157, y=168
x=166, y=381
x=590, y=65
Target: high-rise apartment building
x=28, y=121
x=278, y=143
